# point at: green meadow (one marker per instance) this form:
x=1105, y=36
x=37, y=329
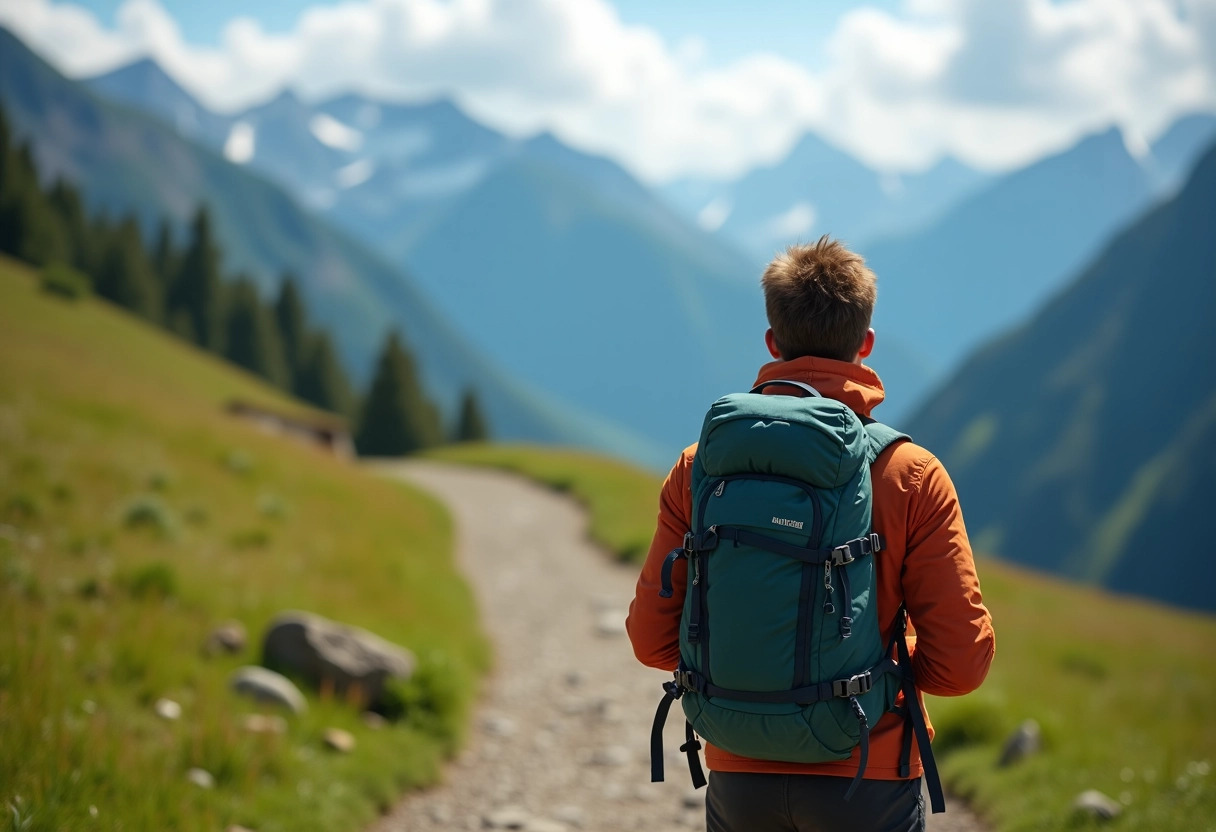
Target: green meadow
x=136, y=516
x=1122, y=689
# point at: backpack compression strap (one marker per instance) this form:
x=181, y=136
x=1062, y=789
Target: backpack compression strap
x=810, y=391
x=916, y=717
x=672, y=692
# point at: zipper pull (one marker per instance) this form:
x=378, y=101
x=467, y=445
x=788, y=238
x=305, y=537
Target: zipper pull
x=828, y=606
x=721, y=487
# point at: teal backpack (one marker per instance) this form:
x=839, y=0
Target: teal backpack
x=781, y=652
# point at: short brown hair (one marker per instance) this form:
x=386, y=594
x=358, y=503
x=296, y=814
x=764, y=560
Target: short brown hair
x=819, y=299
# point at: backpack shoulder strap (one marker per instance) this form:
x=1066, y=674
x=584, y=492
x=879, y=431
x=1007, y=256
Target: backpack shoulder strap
x=881, y=437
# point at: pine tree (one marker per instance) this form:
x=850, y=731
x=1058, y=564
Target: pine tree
x=29, y=228
x=471, y=425
x=165, y=258
x=197, y=290
x=321, y=380
x=397, y=418
x=65, y=201
x=124, y=275
x=251, y=335
x=292, y=320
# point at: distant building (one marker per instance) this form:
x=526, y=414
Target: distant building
x=328, y=432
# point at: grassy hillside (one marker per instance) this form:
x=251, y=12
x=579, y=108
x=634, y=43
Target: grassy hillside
x=1122, y=689
x=135, y=516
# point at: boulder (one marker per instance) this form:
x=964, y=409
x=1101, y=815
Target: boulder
x=336, y=739
x=229, y=637
x=1097, y=805
x=349, y=662
x=267, y=686
x=1023, y=742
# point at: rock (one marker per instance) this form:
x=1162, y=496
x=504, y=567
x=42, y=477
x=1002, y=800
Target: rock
x=611, y=755
x=1023, y=742
x=610, y=623
x=167, y=709
x=507, y=817
x=543, y=825
x=693, y=799
x=499, y=726
x=229, y=637
x=374, y=721
x=570, y=815
x=347, y=661
x=440, y=814
x=1095, y=804
x=338, y=740
x=267, y=686
x=201, y=778
x=235, y=828
x=265, y=724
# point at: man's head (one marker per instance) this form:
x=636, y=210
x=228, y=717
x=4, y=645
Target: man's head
x=819, y=299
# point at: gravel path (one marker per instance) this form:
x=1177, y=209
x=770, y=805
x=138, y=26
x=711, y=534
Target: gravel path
x=561, y=740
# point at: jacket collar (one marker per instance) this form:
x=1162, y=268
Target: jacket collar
x=855, y=385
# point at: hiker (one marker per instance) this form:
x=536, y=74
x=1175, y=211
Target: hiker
x=819, y=299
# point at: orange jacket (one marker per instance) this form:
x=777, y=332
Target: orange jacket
x=927, y=565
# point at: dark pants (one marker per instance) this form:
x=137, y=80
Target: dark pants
x=738, y=802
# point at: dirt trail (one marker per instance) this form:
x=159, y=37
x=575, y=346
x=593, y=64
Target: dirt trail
x=561, y=737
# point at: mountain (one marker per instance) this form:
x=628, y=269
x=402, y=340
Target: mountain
x=991, y=260
x=1175, y=152
x=1084, y=441
x=819, y=189
x=124, y=161
x=574, y=275
x=593, y=294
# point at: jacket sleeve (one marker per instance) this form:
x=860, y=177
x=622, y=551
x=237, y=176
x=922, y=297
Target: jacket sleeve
x=653, y=623
x=955, y=641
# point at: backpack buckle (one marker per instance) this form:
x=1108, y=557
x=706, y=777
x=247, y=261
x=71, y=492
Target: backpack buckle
x=842, y=555
x=690, y=543
x=853, y=686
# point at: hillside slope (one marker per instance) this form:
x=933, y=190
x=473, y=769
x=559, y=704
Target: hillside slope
x=124, y=161
x=135, y=516
x=1083, y=442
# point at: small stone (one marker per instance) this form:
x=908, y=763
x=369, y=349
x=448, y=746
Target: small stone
x=265, y=724
x=609, y=711
x=544, y=825
x=93, y=813
x=1095, y=804
x=440, y=814
x=229, y=637
x=499, y=726
x=1023, y=742
x=610, y=623
x=693, y=799
x=507, y=817
x=238, y=828
x=267, y=686
x=338, y=740
x=576, y=678
x=610, y=755
x=570, y=815
x=201, y=778
x=168, y=709
x=374, y=721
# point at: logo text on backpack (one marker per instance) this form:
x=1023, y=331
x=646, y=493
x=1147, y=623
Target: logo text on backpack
x=793, y=524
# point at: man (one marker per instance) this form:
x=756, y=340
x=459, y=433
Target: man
x=819, y=299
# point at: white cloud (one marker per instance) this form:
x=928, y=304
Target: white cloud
x=997, y=83
x=355, y=174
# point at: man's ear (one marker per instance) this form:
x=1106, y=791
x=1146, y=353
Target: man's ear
x=867, y=346
x=770, y=341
